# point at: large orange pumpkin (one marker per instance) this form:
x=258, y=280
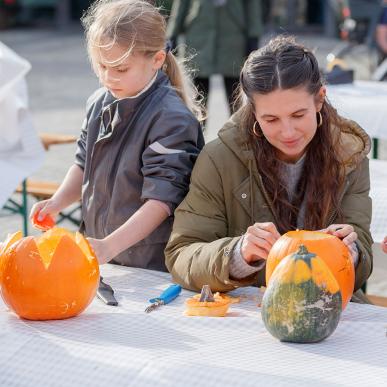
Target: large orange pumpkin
x=328, y=247
x=53, y=276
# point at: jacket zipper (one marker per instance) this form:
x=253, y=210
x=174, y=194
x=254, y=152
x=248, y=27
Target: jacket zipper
x=103, y=226
x=99, y=141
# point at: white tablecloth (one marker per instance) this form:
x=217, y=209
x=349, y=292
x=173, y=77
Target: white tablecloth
x=378, y=193
x=364, y=102
x=123, y=346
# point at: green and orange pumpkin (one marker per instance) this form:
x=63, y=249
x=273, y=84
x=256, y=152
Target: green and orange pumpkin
x=328, y=247
x=302, y=303
x=52, y=276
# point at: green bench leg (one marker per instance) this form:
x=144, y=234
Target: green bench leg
x=375, y=148
x=24, y=207
x=20, y=208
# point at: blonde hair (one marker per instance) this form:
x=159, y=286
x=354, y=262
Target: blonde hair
x=139, y=27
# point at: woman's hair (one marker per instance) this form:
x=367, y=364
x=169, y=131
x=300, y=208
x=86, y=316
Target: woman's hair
x=137, y=27
x=283, y=64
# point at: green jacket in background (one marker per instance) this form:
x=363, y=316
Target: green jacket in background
x=216, y=35
x=226, y=196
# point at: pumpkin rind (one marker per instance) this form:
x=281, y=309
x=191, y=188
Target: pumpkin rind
x=328, y=247
x=298, y=306
x=11, y=239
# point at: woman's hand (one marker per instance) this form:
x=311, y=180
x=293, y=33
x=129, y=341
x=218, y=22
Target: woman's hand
x=384, y=244
x=258, y=240
x=347, y=234
x=102, y=250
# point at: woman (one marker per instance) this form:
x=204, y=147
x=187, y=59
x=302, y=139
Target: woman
x=285, y=160
x=221, y=34
x=384, y=244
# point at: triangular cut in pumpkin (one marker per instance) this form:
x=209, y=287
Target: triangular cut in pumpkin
x=11, y=239
x=48, y=243
x=67, y=253
x=83, y=244
x=308, y=235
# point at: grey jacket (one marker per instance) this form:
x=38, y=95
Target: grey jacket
x=132, y=150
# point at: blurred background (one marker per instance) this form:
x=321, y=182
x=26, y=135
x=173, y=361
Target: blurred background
x=48, y=34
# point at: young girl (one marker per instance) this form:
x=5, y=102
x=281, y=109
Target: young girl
x=285, y=160
x=139, y=140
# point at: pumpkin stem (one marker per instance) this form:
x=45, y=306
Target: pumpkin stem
x=302, y=250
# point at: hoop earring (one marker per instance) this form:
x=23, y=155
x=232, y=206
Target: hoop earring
x=319, y=119
x=255, y=130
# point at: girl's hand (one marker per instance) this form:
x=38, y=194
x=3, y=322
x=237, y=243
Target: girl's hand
x=43, y=208
x=384, y=244
x=347, y=234
x=42, y=214
x=258, y=240
x=102, y=250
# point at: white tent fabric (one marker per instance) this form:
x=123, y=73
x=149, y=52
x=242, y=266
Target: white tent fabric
x=21, y=152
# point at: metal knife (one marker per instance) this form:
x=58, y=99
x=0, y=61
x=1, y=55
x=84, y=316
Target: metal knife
x=165, y=297
x=106, y=293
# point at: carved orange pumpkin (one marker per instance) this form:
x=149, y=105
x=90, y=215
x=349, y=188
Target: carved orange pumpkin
x=53, y=276
x=328, y=247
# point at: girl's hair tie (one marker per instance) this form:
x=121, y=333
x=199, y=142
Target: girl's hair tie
x=168, y=46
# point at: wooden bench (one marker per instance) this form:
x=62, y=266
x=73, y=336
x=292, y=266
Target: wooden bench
x=49, y=139
x=42, y=190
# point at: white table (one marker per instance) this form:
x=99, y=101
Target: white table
x=364, y=102
x=123, y=346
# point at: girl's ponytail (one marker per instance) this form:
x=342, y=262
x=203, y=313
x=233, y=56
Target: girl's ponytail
x=182, y=83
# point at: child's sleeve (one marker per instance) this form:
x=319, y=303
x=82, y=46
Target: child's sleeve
x=80, y=153
x=175, y=141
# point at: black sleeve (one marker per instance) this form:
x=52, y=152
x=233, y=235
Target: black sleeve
x=80, y=153
x=175, y=141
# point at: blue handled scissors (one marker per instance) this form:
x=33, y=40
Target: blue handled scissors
x=165, y=297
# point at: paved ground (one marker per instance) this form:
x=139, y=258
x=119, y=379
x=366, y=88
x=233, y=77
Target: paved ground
x=60, y=82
